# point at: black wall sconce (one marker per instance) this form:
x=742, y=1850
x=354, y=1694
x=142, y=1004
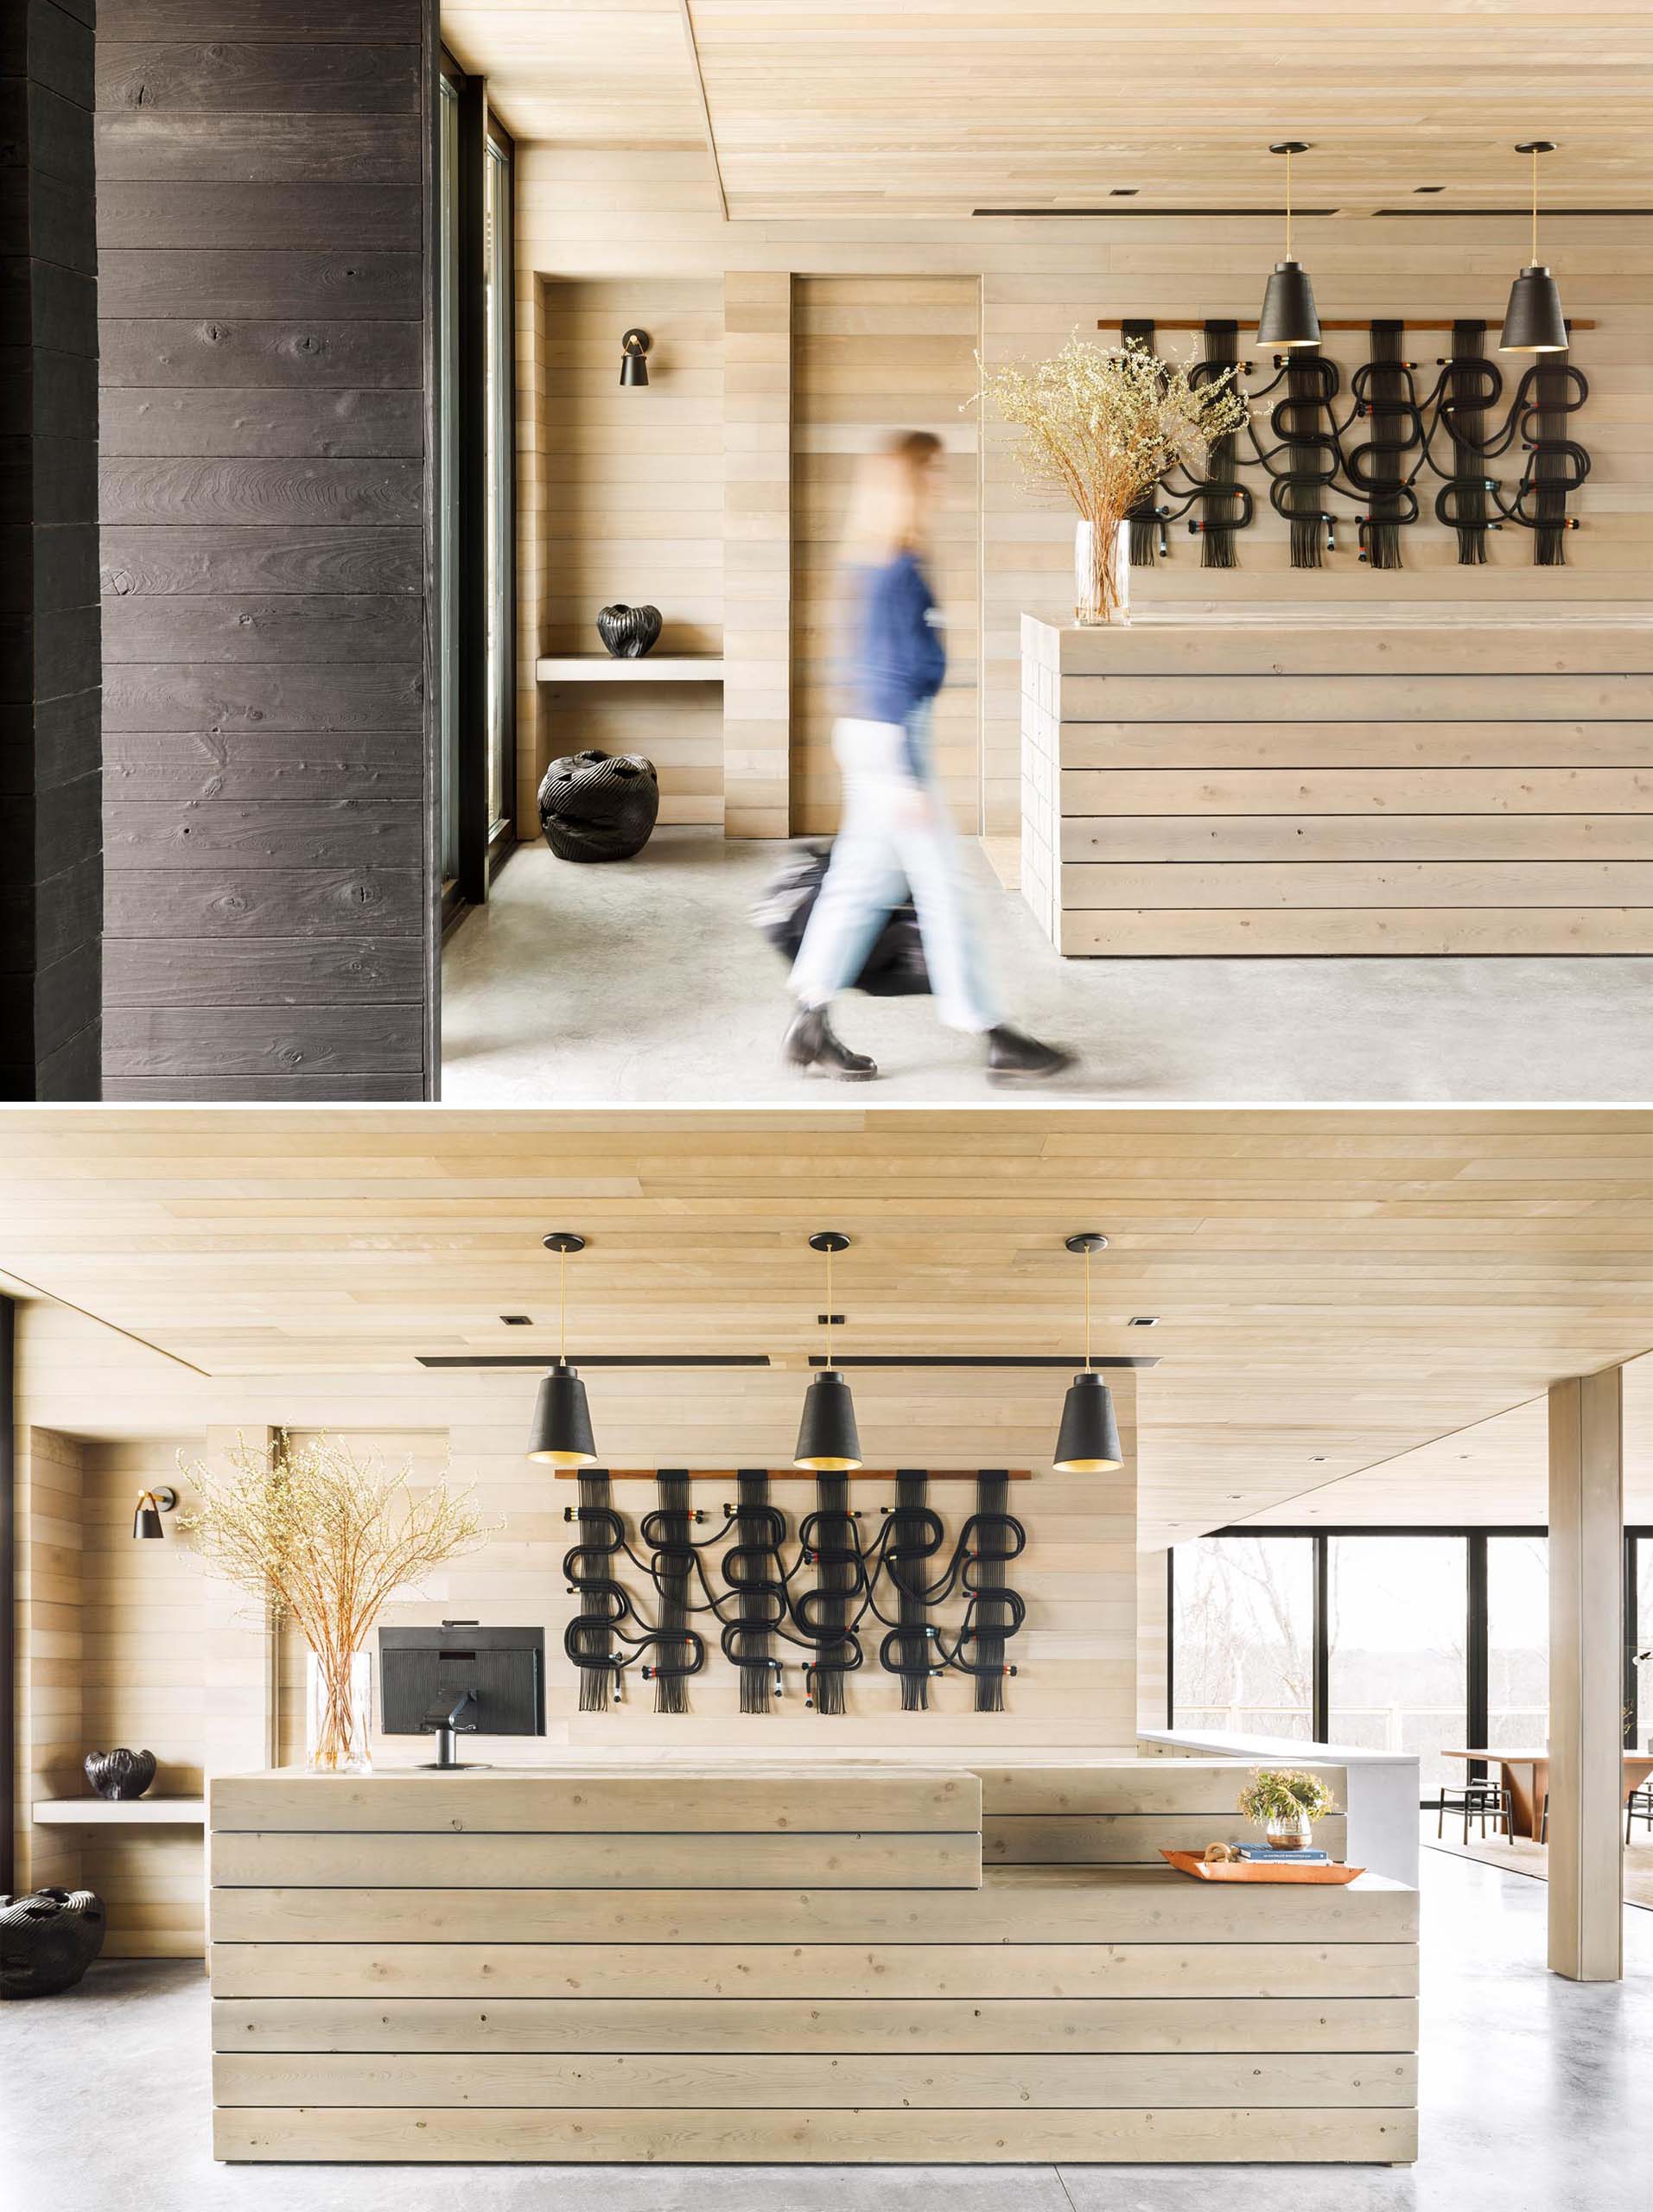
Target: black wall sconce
x=633, y=357
x=151, y=1505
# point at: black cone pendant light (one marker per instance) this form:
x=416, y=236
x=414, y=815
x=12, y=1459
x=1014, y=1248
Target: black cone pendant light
x=1288, y=317
x=828, y=1443
x=1089, y=1442
x=1533, y=323
x=561, y=1432
x=151, y=1505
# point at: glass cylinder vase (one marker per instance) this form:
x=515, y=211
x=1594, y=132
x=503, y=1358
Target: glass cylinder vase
x=338, y=1713
x=1102, y=573
x=1289, y=1833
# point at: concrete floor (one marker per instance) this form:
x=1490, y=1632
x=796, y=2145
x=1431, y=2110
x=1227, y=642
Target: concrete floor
x=643, y=981
x=1535, y=2100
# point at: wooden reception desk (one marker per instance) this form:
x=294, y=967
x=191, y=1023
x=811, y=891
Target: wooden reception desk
x=1272, y=785
x=827, y=1962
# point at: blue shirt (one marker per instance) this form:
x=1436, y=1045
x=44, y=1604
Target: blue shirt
x=896, y=659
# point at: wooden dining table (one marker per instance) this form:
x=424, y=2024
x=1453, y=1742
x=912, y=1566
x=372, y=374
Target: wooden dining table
x=1526, y=1776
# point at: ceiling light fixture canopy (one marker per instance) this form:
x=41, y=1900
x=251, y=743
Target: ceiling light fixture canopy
x=1288, y=317
x=561, y=1431
x=828, y=1440
x=1533, y=321
x=1089, y=1441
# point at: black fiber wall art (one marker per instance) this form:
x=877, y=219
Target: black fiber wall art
x=1401, y=442
x=665, y=1599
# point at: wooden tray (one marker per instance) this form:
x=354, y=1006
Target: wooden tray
x=1241, y=1870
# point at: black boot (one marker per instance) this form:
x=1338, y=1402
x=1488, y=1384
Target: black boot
x=1013, y=1059
x=810, y=1042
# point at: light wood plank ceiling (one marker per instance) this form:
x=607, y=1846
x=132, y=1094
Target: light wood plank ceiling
x=1333, y=1290
x=941, y=106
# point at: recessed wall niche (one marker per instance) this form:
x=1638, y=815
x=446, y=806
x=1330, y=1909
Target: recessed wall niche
x=633, y=513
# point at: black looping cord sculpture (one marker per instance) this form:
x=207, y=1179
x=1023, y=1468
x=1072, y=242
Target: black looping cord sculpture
x=1385, y=396
x=678, y=1651
x=822, y=1615
x=1556, y=464
x=984, y=1630
x=1148, y=539
x=912, y=1534
x=588, y=1639
x=1471, y=385
x=752, y=1568
x=1225, y=504
x=1307, y=447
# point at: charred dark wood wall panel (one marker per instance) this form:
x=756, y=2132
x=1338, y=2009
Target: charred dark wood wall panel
x=262, y=215
x=50, y=811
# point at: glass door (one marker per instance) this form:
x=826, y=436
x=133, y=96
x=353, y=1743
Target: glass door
x=499, y=294
x=448, y=484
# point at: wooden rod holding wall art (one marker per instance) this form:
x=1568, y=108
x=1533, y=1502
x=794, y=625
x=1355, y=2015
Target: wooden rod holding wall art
x=791, y=1474
x=1249, y=323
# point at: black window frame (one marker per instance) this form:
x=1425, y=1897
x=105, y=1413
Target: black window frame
x=1477, y=1685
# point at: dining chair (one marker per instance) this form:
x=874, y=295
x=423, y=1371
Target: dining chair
x=1478, y=1801
x=1638, y=1806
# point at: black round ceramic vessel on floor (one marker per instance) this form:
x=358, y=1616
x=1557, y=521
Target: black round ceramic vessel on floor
x=598, y=806
x=47, y=1940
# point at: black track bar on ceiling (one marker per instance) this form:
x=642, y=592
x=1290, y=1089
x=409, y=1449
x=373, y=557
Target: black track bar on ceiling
x=596, y=1359
x=979, y=1359
x=1011, y=1360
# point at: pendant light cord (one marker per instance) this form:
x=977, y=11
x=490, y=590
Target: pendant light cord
x=829, y=1261
x=1087, y=1302
x=1288, y=256
x=1534, y=253
x=563, y=1303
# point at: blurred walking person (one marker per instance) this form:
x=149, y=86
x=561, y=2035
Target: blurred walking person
x=896, y=834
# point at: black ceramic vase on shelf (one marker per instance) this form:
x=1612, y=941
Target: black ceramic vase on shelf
x=598, y=806
x=629, y=631
x=120, y=1773
x=47, y=1940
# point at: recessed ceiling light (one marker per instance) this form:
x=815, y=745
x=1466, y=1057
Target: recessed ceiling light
x=517, y=1320
x=1317, y=1459
x=1143, y=1322
x=1123, y=190
x=1429, y=187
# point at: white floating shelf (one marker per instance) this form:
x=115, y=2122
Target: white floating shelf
x=107, y=1812
x=652, y=668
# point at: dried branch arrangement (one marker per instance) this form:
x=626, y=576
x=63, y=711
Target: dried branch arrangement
x=1103, y=424
x=325, y=1540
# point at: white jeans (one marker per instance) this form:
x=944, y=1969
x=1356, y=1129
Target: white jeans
x=895, y=836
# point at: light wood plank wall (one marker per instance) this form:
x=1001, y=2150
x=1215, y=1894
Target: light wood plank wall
x=870, y=355
x=609, y=214
x=148, y=1679
x=633, y=513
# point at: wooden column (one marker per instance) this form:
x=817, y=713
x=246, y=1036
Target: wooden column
x=1586, y=1630
x=240, y=1652
x=757, y=552
x=264, y=297
x=50, y=825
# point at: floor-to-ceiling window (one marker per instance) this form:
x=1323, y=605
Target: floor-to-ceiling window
x=1431, y=1641
x=1398, y=1649
x=1517, y=1642
x=1638, y=1623
x=1243, y=1625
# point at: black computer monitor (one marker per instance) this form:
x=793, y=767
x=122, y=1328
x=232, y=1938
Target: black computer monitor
x=461, y=1680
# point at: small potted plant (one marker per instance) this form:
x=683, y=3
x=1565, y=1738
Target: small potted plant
x=1285, y=1801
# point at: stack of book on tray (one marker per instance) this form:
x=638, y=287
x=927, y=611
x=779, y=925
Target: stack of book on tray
x=1264, y=1854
